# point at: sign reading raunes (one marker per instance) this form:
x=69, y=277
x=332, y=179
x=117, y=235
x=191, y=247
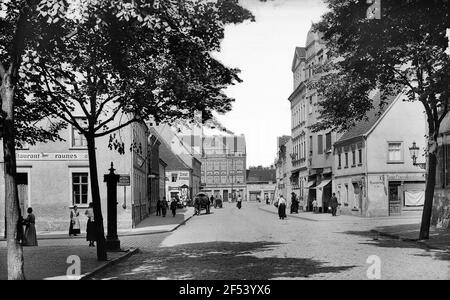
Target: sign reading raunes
x=52, y=156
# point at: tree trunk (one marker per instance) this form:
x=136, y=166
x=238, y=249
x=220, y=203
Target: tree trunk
x=14, y=232
x=429, y=194
x=95, y=192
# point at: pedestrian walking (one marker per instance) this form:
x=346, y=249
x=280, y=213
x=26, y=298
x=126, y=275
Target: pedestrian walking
x=90, y=227
x=164, y=207
x=315, y=206
x=158, y=207
x=281, y=207
x=211, y=199
x=334, y=204
x=239, y=202
x=30, y=237
x=173, y=207
x=267, y=200
x=74, y=227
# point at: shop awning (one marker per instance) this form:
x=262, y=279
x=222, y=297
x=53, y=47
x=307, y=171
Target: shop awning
x=323, y=183
x=310, y=184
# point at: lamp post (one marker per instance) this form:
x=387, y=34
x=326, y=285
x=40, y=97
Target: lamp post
x=414, y=152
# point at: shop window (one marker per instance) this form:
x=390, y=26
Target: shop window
x=80, y=188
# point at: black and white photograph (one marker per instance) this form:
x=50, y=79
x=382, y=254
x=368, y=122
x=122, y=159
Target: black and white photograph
x=210, y=143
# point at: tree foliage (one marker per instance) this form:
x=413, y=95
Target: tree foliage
x=404, y=50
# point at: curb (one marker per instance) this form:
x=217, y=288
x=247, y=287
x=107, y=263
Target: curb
x=409, y=240
x=128, y=253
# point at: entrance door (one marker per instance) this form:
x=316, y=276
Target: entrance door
x=395, y=205
x=22, y=190
x=225, y=195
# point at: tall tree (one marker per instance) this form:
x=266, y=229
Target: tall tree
x=122, y=62
x=20, y=24
x=401, y=51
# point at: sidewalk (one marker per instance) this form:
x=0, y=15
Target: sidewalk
x=49, y=260
x=151, y=225
x=405, y=227
x=439, y=238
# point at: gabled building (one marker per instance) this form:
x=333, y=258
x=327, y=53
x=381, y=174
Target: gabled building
x=261, y=183
x=374, y=173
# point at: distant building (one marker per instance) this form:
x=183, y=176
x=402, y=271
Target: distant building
x=224, y=160
x=374, y=173
x=261, y=183
x=283, y=166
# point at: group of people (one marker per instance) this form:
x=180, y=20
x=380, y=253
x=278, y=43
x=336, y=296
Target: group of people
x=281, y=204
x=163, y=205
x=75, y=227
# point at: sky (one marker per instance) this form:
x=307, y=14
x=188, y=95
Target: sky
x=263, y=51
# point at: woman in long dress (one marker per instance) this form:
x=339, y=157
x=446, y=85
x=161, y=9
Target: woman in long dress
x=74, y=228
x=90, y=228
x=239, y=202
x=282, y=207
x=30, y=238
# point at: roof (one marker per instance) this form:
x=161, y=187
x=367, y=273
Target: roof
x=299, y=54
x=261, y=175
x=173, y=161
x=363, y=127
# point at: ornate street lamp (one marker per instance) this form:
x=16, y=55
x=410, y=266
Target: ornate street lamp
x=414, y=152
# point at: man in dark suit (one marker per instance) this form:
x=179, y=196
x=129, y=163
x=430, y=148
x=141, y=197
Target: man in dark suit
x=334, y=204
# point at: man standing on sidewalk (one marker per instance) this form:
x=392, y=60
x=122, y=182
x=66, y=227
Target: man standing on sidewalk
x=334, y=204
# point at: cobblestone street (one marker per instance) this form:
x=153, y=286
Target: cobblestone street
x=252, y=243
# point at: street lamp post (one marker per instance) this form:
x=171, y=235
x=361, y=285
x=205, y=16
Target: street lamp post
x=112, y=239
x=414, y=152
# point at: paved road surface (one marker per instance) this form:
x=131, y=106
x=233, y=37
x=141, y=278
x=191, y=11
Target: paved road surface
x=254, y=244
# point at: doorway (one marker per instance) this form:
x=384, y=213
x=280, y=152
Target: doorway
x=395, y=204
x=225, y=195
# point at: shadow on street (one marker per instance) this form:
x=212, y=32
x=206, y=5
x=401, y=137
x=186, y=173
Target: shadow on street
x=217, y=261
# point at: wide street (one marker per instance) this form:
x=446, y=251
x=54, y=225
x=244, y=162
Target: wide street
x=253, y=243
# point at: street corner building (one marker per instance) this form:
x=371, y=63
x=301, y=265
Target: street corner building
x=374, y=173
x=53, y=177
x=261, y=183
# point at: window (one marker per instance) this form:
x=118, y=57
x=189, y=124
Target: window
x=80, y=188
x=346, y=159
x=78, y=139
x=174, y=177
x=311, y=144
x=320, y=144
x=353, y=158
x=328, y=142
x=395, y=152
x=360, y=156
x=339, y=161
x=310, y=105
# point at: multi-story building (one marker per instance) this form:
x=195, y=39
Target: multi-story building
x=375, y=174
x=224, y=166
x=156, y=171
x=299, y=129
x=319, y=144
x=283, y=166
x=53, y=177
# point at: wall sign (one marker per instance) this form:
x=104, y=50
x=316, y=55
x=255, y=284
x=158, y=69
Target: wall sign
x=51, y=156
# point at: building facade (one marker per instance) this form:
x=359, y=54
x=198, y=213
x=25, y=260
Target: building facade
x=261, y=183
x=224, y=161
x=283, y=166
x=374, y=174
x=441, y=203
x=299, y=123
x=53, y=177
